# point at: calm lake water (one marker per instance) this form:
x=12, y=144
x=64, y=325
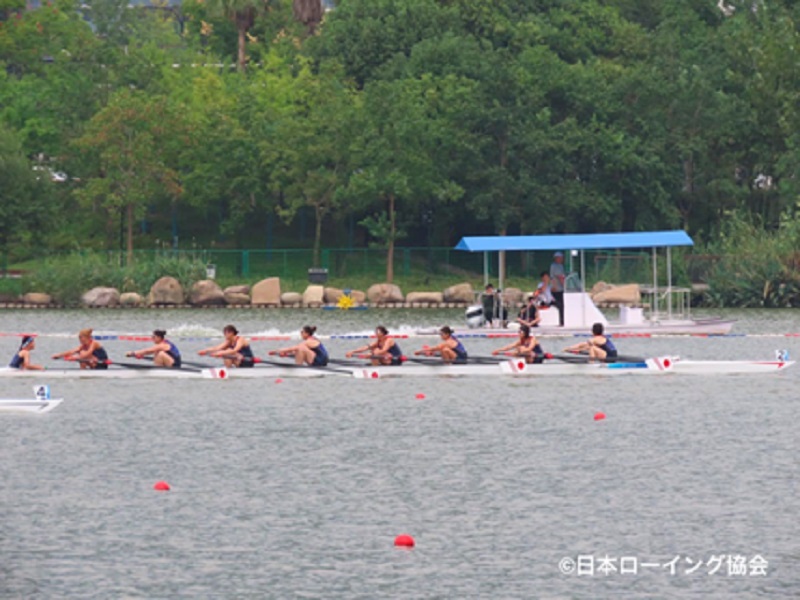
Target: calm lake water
x=297, y=489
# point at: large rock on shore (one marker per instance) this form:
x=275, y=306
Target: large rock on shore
x=620, y=294
x=101, y=297
x=461, y=292
x=206, y=293
x=291, y=298
x=237, y=294
x=37, y=299
x=332, y=295
x=512, y=295
x=428, y=297
x=166, y=290
x=131, y=300
x=382, y=293
x=314, y=296
x=358, y=296
x=600, y=286
x=266, y=292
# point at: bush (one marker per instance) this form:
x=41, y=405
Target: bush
x=756, y=268
x=66, y=278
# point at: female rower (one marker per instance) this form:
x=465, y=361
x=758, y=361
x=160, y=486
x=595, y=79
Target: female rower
x=235, y=350
x=165, y=353
x=309, y=351
x=22, y=359
x=90, y=353
x=383, y=351
x=598, y=346
x=527, y=345
x=451, y=349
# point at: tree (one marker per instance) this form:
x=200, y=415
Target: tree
x=395, y=159
x=133, y=140
x=313, y=161
x=243, y=14
x=308, y=12
x=23, y=211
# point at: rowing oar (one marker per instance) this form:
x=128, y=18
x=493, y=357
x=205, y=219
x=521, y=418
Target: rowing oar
x=187, y=363
x=275, y=363
x=581, y=358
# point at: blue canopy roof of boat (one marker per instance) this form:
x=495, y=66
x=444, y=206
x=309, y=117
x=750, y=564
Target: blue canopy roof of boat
x=576, y=241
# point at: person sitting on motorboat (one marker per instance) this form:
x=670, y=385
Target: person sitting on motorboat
x=527, y=345
x=544, y=292
x=451, y=349
x=598, y=346
x=529, y=315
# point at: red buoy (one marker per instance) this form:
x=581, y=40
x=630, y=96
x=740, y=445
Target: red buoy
x=404, y=541
x=599, y=416
x=161, y=486
x=279, y=380
x=420, y=396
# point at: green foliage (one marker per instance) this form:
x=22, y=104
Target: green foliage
x=755, y=268
x=67, y=278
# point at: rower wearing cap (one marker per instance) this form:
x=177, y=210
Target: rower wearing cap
x=527, y=345
x=598, y=346
x=22, y=359
x=90, y=353
x=451, y=349
x=235, y=350
x=165, y=353
x=309, y=351
x=383, y=351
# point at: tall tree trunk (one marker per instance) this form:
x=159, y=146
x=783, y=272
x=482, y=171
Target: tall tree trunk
x=392, y=234
x=308, y=12
x=130, y=235
x=241, y=62
x=317, y=233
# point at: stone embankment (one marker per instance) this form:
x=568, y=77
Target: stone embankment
x=167, y=292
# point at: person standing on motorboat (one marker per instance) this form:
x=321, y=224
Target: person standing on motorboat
x=493, y=309
x=558, y=277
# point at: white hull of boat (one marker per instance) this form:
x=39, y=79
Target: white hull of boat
x=119, y=373
x=30, y=406
x=511, y=367
x=728, y=367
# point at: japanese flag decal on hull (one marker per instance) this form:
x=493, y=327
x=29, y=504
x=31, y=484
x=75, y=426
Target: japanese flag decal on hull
x=661, y=363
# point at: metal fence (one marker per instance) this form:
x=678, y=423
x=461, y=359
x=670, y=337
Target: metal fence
x=612, y=267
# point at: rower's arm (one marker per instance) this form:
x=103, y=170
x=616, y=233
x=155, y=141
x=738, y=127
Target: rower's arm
x=66, y=353
x=212, y=349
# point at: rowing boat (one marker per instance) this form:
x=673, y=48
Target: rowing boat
x=511, y=367
x=30, y=406
x=121, y=373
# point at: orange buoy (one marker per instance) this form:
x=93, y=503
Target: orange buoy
x=404, y=541
x=599, y=416
x=161, y=486
x=420, y=396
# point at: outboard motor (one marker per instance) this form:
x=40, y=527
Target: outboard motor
x=474, y=316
